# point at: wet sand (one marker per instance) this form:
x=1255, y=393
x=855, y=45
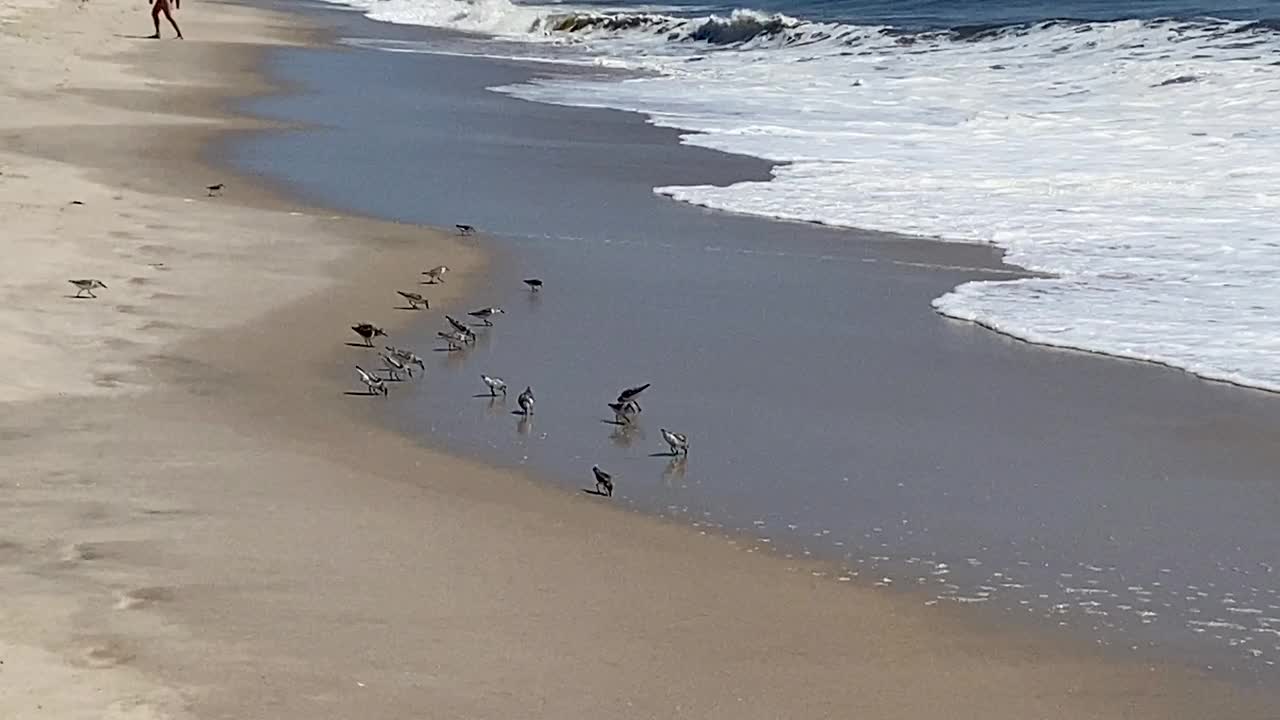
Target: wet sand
x=833, y=414
x=200, y=522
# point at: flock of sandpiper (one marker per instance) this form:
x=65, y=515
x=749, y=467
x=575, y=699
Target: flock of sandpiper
x=458, y=336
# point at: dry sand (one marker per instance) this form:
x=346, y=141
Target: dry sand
x=195, y=521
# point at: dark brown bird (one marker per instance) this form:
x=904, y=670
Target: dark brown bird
x=368, y=332
x=414, y=299
x=603, y=481
x=483, y=314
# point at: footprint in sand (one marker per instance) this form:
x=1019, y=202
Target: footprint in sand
x=116, y=343
x=155, y=325
x=143, y=597
x=106, y=653
x=108, y=380
x=84, y=552
x=11, y=552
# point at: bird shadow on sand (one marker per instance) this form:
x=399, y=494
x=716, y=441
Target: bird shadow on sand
x=487, y=396
x=405, y=307
x=597, y=493
x=521, y=413
x=356, y=344
x=354, y=393
x=615, y=423
x=136, y=37
x=665, y=454
x=79, y=297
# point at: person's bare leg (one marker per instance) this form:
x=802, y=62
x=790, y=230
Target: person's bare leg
x=155, y=18
x=169, y=16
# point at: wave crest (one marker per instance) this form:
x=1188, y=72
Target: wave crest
x=739, y=27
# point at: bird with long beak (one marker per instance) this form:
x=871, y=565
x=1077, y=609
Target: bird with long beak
x=483, y=314
x=87, y=286
x=496, y=385
x=679, y=442
x=373, y=382
x=436, y=274
x=415, y=300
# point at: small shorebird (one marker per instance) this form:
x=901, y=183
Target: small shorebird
x=483, y=314
x=534, y=284
x=461, y=328
x=436, y=274
x=465, y=229
x=604, y=481
x=394, y=366
x=215, y=189
x=629, y=395
x=368, y=332
x=87, y=286
x=456, y=340
x=624, y=412
x=496, y=385
x=371, y=381
x=408, y=357
x=679, y=442
x=525, y=401
x=415, y=300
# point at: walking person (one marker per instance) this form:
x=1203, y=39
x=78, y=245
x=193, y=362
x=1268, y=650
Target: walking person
x=162, y=6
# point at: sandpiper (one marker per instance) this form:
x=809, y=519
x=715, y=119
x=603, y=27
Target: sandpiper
x=415, y=300
x=371, y=381
x=624, y=412
x=408, y=357
x=604, y=481
x=456, y=340
x=461, y=328
x=368, y=332
x=525, y=401
x=483, y=314
x=496, y=385
x=215, y=189
x=534, y=284
x=87, y=286
x=436, y=274
x=394, y=366
x=679, y=442
x=465, y=229
x=629, y=395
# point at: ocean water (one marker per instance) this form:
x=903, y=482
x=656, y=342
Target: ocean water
x=1126, y=149
x=834, y=414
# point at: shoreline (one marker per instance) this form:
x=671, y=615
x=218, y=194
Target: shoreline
x=1112, y=495
x=214, y=537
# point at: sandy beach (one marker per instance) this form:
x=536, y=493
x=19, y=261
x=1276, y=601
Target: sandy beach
x=199, y=523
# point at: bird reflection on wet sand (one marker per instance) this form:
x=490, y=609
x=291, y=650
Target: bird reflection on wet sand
x=674, y=471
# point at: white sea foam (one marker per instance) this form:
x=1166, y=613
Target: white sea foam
x=1136, y=162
